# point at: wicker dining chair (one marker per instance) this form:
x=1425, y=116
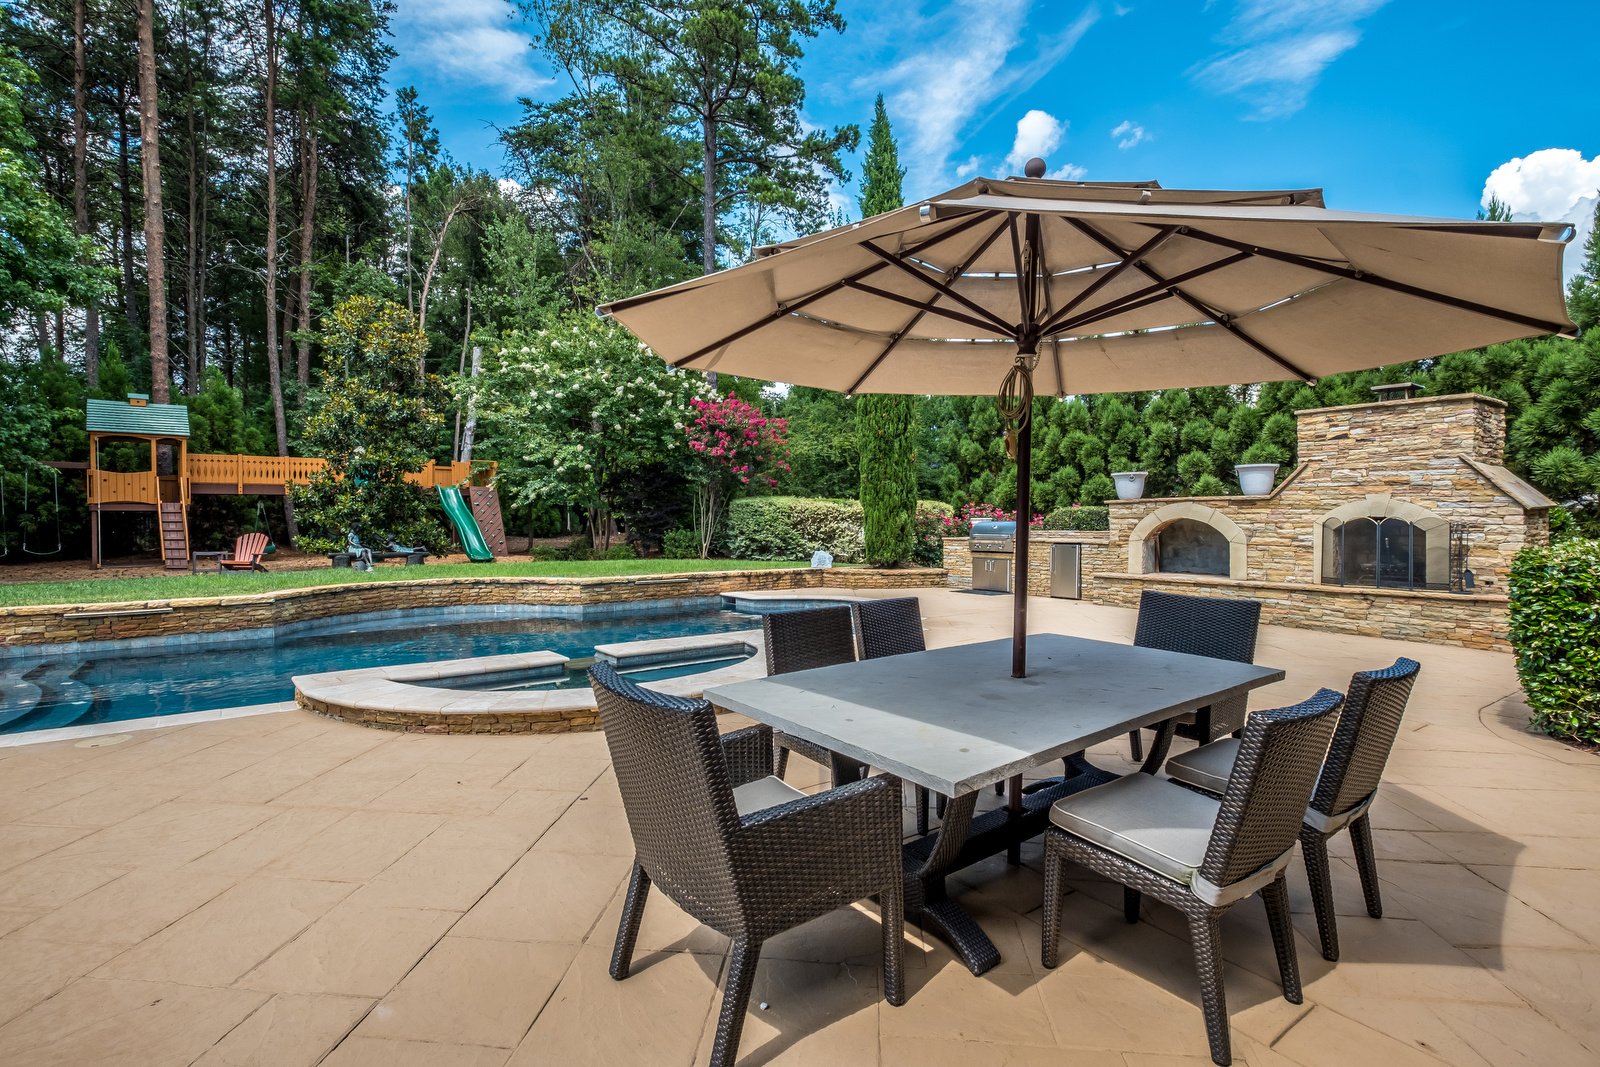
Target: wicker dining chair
x=893, y=628
x=1201, y=626
x=1345, y=791
x=737, y=848
x=799, y=641
x=1201, y=854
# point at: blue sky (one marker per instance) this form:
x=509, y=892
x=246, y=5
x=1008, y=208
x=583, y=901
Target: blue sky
x=1400, y=106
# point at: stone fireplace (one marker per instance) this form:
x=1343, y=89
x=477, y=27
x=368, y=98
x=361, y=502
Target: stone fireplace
x=1400, y=520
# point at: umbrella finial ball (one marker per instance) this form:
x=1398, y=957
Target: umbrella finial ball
x=1035, y=167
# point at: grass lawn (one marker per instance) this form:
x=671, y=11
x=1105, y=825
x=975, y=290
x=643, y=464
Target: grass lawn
x=103, y=590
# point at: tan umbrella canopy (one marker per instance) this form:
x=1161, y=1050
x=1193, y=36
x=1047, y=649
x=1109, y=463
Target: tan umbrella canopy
x=1082, y=287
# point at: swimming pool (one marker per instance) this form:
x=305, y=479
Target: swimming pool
x=80, y=689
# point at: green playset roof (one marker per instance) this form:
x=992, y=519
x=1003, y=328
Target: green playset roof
x=145, y=420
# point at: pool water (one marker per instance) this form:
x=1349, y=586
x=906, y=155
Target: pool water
x=48, y=692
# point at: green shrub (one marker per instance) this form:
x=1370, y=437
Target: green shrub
x=622, y=551
x=680, y=544
x=933, y=517
x=1079, y=517
x=579, y=548
x=1555, y=633
x=1097, y=490
x=788, y=527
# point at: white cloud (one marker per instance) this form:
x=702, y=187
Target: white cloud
x=961, y=64
x=1128, y=134
x=1038, y=134
x=1550, y=185
x=476, y=43
x=969, y=168
x=1069, y=172
x=1276, y=50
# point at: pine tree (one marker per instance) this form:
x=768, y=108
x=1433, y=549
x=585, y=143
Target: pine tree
x=886, y=425
x=881, y=172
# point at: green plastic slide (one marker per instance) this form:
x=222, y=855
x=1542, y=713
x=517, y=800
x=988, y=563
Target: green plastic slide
x=466, y=526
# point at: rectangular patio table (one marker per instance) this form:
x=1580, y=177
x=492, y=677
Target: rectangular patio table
x=954, y=720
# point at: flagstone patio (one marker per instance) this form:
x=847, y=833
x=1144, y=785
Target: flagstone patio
x=288, y=890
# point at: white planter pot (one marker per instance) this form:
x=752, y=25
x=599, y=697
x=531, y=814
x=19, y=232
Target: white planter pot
x=1130, y=484
x=1255, y=479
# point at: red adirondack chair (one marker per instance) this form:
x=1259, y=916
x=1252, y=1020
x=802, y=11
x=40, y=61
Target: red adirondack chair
x=247, y=553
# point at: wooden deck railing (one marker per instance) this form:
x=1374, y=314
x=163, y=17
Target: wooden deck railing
x=253, y=473
x=110, y=487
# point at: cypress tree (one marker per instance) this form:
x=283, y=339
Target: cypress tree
x=886, y=425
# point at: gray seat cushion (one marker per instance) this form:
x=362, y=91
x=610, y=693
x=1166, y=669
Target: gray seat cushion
x=1209, y=766
x=1152, y=822
x=766, y=792
x=1206, y=767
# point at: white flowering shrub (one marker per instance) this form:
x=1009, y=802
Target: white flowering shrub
x=576, y=410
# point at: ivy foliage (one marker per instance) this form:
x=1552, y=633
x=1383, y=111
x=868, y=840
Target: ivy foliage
x=1555, y=633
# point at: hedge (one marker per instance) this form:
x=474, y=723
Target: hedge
x=1555, y=633
x=792, y=528
x=1079, y=517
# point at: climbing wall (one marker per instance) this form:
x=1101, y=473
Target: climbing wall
x=485, y=504
x=174, y=537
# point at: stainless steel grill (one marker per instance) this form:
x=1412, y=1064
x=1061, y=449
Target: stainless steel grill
x=993, y=537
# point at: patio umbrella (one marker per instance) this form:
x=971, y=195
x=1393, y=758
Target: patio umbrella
x=1005, y=285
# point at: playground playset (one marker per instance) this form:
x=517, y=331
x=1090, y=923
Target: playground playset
x=175, y=476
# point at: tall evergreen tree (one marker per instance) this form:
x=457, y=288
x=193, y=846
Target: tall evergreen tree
x=886, y=425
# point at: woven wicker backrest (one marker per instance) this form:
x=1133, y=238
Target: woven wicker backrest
x=1198, y=625
x=1365, y=735
x=815, y=637
x=675, y=789
x=890, y=627
x=1271, y=782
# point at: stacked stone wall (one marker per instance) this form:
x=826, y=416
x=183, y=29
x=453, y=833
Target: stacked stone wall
x=64, y=623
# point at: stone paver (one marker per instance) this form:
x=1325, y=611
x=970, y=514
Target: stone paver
x=285, y=890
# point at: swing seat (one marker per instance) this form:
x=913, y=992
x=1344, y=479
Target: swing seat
x=247, y=553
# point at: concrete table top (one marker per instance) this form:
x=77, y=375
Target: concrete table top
x=954, y=720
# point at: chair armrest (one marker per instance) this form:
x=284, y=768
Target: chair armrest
x=846, y=836
x=748, y=753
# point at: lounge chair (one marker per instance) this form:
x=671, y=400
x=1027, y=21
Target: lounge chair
x=247, y=553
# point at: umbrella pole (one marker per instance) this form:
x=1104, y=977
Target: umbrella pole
x=1015, y=405
x=1019, y=585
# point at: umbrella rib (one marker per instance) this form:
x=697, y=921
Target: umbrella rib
x=894, y=342
x=785, y=310
x=1220, y=318
x=1111, y=275
x=995, y=322
x=1368, y=278
x=927, y=306
x=1142, y=297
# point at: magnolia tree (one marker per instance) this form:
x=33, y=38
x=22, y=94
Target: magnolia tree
x=572, y=409
x=734, y=446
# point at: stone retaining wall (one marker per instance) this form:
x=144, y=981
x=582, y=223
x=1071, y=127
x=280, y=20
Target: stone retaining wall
x=63, y=623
